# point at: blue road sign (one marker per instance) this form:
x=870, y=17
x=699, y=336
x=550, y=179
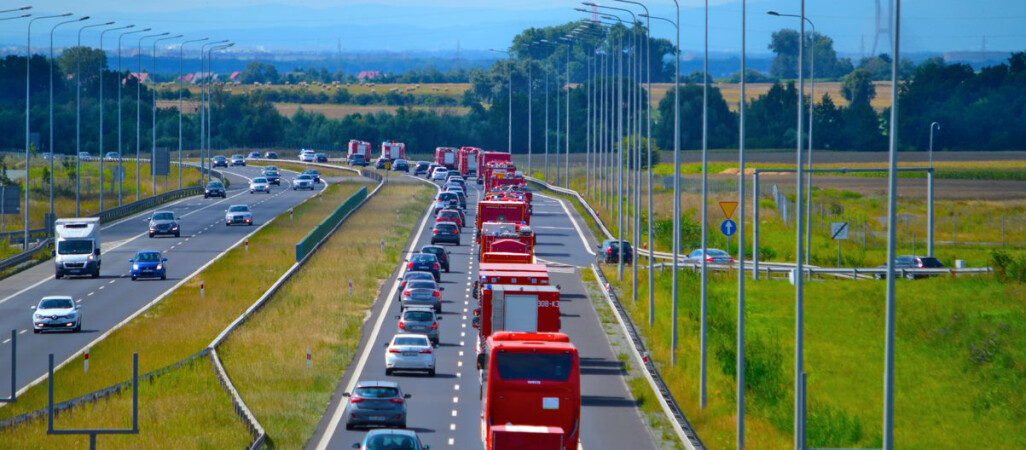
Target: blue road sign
x=728, y=227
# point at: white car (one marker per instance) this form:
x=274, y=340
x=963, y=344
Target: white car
x=439, y=173
x=259, y=184
x=303, y=181
x=307, y=156
x=57, y=312
x=85, y=156
x=410, y=352
x=238, y=214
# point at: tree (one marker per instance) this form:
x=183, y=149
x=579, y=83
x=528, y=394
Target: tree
x=818, y=46
x=91, y=59
x=258, y=72
x=785, y=44
x=858, y=87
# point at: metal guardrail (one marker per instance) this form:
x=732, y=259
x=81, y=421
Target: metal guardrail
x=16, y=237
x=681, y=426
x=26, y=255
x=327, y=226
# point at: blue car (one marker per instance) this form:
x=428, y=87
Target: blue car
x=149, y=264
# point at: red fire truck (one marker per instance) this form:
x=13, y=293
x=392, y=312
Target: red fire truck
x=446, y=156
x=501, y=211
x=358, y=149
x=468, y=160
x=392, y=150
x=485, y=157
x=531, y=380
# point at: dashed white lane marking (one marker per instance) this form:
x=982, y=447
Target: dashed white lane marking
x=101, y=287
x=78, y=301
x=111, y=282
x=459, y=363
x=464, y=325
x=456, y=385
x=452, y=427
x=7, y=340
x=462, y=344
x=90, y=294
x=464, y=317
x=23, y=331
x=454, y=413
x=464, y=310
x=455, y=399
x=452, y=441
x=463, y=334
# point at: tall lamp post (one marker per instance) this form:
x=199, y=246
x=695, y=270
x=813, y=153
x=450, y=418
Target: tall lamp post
x=210, y=111
x=181, y=103
x=103, y=69
x=676, y=182
x=138, y=119
x=929, y=189
x=153, y=127
x=121, y=155
x=78, y=121
x=892, y=210
x=203, y=108
x=53, y=154
x=812, y=103
x=509, y=120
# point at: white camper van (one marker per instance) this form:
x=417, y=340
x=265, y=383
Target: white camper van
x=77, y=251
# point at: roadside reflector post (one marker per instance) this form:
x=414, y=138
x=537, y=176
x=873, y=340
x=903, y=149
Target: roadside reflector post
x=203, y=291
x=309, y=359
x=85, y=358
x=350, y=287
x=382, y=245
x=247, y=245
x=292, y=213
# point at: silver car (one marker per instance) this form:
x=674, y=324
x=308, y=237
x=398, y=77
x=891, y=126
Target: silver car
x=380, y=403
x=165, y=222
x=412, y=352
x=422, y=293
x=420, y=319
x=303, y=181
x=259, y=184
x=238, y=215
x=715, y=256
x=56, y=312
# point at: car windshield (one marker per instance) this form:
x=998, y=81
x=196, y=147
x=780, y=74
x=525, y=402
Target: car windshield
x=311, y=172
x=147, y=257
x=214, y=185
x=424, y=258
x=377, y=392
x=304, y=177
x=57, y=303
x=219, y=158
x=931, y=262
x=391, y=442
x=447, y=196
x=238, y=208
x=448, y=214
x=421, y=284
x=271, y=173
x=433, y=250
x=534, y=366
x=717, y=252
x=164, y=216
x=418, y=275
x=75, y=247
x=446, y=226
x=260, y=181
x=419, y=316
x=411, y=340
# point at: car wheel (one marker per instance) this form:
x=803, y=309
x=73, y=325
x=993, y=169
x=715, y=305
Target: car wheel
x=402, y=425
x=35, y=331
x=78, y=328
x=151, y=235
x=58, y=275
x=431, y=373
x=163, y=276
x=349, y=426
x=96, y=273
x=134, y=278
x=388, y=372
x=178, y=234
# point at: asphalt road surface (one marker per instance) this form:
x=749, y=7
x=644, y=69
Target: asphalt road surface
x=445, y=410
x=113, y=298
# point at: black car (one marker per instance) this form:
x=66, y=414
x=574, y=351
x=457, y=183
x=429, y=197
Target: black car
x=314, y=173
x=446, y=232
x=220, y=161
x=401, y=165
x=441, y=253
x=912, y=262
x=421, y=167
x=273, y=177
x=382, y=163
x=321, y=157
x=426, y=262
x=271, y=155
x=611, y=251
x=358, y=160
x=214, y=189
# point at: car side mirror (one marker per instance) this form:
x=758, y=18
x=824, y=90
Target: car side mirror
x=345, y=394
x=78, y=306
x=441, y=289
x=96, y=251
x=163, y=260
x=131, y=260
x=397, y=317
x=53, y=252
x=407, y=396
x=356, y=445
x=385, y=345
x=439, y=318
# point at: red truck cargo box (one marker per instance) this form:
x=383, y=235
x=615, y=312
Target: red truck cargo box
x=509, y=246
x=513, y=277
x=526, y=437
x=501, y=257
x=508, y=307
x=506, y=267
x=502, y=211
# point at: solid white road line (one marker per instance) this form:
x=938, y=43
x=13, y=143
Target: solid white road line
x=577, y=227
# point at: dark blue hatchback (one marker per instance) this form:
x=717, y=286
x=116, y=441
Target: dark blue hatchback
x=149, y=264
x=425, y=262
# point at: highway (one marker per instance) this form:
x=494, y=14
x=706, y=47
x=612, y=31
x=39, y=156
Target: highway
x=113, y=298
x=445, y=410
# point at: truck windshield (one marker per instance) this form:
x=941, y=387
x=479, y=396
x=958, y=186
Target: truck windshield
x=534, y=366
x=75, y=247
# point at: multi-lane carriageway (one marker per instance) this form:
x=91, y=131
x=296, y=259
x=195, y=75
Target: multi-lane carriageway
x=445, y=409
x=113, y=298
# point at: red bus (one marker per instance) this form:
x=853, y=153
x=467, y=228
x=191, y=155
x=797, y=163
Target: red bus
x=531, y=379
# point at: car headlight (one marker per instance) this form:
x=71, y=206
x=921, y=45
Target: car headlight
x=37, y=317
x=174, y=227
x=135, y=267
x=160, y=267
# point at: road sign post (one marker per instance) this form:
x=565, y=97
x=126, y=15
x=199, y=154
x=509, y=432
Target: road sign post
x=839, y=232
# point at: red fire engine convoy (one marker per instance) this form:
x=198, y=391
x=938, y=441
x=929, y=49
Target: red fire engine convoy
x=392, y=150
x=468, y=160
x=358, y=152
x=530, y=371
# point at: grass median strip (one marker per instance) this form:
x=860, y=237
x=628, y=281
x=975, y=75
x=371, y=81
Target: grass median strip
x=180, y=325
x=266, y=357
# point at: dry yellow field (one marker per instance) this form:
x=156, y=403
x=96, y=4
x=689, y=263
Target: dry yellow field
x=732, y=93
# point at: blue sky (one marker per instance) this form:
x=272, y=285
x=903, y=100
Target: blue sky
x=410, y=25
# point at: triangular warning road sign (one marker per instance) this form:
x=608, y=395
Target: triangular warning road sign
x=728, y=208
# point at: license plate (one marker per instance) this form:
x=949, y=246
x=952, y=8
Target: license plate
x=410, y=354
x=377, y=417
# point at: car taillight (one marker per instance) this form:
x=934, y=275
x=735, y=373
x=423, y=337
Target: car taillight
x=609, y=251
x=355, y=399
x=920, y=265
x=709, y=258
x=406, y=292
x=437, y=294
x=426, y=351
x=437, y=266
x=434, y=326
x=394, y=350
x=410, y=266
x=397, y=401
x=456, y=231
x=435, y=231
x=402, y=325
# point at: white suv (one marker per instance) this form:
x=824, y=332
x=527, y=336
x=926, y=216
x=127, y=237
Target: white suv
x=307, y=156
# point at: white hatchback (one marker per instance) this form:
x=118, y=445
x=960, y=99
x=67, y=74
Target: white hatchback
x=439, y=174
x=410, y=352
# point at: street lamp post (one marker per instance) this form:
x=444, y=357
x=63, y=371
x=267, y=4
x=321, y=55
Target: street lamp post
x=153, y=127
x=121, y=166
x=181, y=103
x=53, y=154
x=892, y=210
x=103, y=69
x=929, y=192
x=812, y=103
x=203, y=108
x=138, y=119
x=210, y=112
x=78, y=120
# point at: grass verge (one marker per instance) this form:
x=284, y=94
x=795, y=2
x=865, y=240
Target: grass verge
x=266, y=357
x=180, y=325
